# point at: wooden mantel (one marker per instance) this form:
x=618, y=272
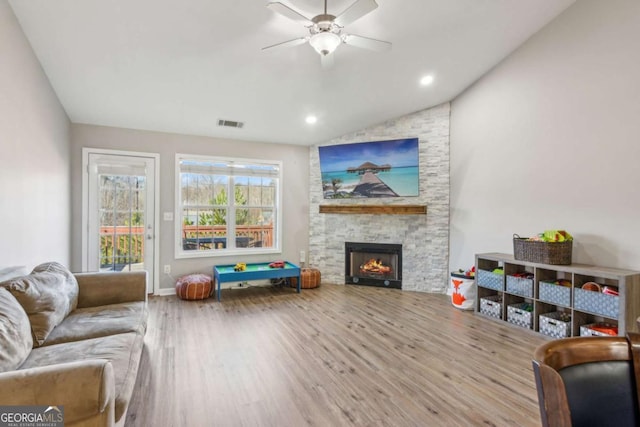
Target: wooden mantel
x=375, y=209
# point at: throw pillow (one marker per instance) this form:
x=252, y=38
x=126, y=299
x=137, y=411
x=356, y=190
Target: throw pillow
x=70, y=288
x=15, y=333
x=42, y=296
x=11, y=272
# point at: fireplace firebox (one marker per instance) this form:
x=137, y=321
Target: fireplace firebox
x=373, y=264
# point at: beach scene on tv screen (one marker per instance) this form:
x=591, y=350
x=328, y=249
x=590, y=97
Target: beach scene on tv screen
x=370, y=169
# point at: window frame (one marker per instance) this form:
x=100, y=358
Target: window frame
x=181, y=253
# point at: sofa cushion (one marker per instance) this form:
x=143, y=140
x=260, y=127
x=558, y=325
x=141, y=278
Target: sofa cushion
x=45, y=298
x=15, y=333
x=70, y=288
x=94, y=322
x=123, y=351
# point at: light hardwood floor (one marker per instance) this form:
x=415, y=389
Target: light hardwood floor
x=332, y=356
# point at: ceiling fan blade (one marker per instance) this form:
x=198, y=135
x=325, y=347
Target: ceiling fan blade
x=366, y=43
x=288, y=43
x=356, y=11
x=283, y=10
x=326, y=61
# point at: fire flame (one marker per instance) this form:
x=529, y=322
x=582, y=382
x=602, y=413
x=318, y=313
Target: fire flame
x=375, y=266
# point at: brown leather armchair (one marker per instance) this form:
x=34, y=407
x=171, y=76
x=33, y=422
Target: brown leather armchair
x=589, y=381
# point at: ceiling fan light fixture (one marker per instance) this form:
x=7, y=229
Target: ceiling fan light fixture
x=325, y=42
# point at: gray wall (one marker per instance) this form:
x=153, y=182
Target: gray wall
x=295, y=186
x=550, y=139
x=34, y=147
x=424, y=238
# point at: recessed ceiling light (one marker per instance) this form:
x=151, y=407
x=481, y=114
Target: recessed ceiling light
x=311, y=119
x=426, y=80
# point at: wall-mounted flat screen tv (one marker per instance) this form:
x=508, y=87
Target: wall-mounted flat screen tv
x=370, y=169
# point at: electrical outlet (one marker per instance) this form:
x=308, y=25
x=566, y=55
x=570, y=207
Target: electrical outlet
x=303, y=256
x=167, y=269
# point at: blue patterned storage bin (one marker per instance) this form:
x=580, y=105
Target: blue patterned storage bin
x=586, y=331
x=520, y=286
x=491, y=306
x=555, y=294
x=519, y=315
x=555, y=325
x=596, y=303
x=490, y=280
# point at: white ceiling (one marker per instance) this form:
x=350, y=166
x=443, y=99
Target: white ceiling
x=179, y=66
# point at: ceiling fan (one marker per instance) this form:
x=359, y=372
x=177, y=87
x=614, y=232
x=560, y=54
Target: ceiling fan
x=325, y=30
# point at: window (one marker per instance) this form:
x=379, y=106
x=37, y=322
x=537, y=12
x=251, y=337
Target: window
x=226, y=206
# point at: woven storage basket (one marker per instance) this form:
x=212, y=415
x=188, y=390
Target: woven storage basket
x=556, y=253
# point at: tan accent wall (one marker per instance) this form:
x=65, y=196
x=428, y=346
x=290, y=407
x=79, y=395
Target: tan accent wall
x=295, y=187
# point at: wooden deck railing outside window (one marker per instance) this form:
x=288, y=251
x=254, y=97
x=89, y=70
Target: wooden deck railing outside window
x=126, y=244
x=255, y=235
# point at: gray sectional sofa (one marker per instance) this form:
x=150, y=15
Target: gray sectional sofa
x=73, y=340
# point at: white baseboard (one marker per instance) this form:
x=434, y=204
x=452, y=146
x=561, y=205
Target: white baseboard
x=163, y=292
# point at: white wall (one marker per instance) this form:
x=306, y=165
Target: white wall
x=295, y=160
x=551, y=139
x=34, y=148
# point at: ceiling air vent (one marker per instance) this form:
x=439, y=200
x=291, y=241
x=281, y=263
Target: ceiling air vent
x=230, y=123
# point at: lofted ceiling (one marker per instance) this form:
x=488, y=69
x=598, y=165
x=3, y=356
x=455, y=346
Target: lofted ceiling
x=180, y=66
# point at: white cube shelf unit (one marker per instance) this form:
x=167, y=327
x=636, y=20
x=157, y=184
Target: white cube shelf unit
x=544, y=297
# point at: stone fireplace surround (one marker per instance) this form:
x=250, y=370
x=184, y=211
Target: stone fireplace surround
x=424, y=238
